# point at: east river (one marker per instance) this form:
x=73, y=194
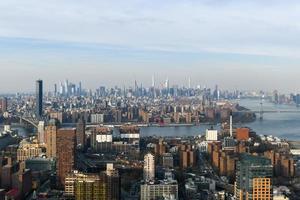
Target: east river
x=284, y=125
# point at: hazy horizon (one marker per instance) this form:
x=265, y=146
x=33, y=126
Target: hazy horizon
x=235, y=44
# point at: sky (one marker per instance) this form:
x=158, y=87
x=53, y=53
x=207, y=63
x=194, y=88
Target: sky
x=236, y=44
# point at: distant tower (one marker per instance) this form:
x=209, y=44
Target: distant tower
x=55, y=89
x=136, y=87
x=231, y=125
x=149, y=167
x=153, y=82
x=67, y=87
x=189, y=82
x=261, y=111
x=80, y=89
x=39, y=98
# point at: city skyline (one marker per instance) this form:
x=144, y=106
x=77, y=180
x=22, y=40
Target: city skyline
x=139, y=99
x=115, y=43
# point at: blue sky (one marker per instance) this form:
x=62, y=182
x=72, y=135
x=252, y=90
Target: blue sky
x=234, y=43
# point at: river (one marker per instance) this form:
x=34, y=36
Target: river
x=283, y=125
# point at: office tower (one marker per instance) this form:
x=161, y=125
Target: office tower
x=80, y=89
x=253, y=178
x=50, y=139
x=62, y=89
x=41, y=132
x=4, y=104
x=80, y=133
x=67, y=87
x=113, y=182
x=65, y=153
x=149, y=167
x=55, y=89
x=39, y=98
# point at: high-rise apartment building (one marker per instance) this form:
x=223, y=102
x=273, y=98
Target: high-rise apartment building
x=4, y=104
x=253, y=178
x=113, y=182
x=41, y=132
x=103, y=186
x=65, y=152
x=85, y=186
x=50, y=138
x=149, y=167
x=80, y=133
x=39, y=98
x=28, y=150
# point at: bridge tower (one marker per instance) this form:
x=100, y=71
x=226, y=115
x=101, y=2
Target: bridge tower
x=261, y=111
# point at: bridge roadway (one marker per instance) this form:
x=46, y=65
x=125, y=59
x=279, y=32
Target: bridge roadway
x=29, y=120
x=268, y=111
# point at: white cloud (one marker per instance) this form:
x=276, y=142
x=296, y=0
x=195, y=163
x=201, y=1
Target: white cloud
x=246, y=27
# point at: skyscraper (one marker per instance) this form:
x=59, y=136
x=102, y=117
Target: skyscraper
x=55, y=89
x=41, y=132
x=80, y=89
x=253, y=178
x=65, y=153
x=50, y=138
x=80, y=133
x=149, y=167
x=39, y=98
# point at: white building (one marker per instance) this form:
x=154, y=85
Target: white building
x=211, y=135
x=97, y=118
x=167, y=189
x=149, y=167
x=202, y=146
x=41, y=132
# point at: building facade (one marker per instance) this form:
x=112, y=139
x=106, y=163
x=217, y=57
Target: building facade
x=254, y=178
x=65, y=152
x=149, y=167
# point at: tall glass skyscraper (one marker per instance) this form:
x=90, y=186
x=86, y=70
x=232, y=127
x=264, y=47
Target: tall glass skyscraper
x=39, y=98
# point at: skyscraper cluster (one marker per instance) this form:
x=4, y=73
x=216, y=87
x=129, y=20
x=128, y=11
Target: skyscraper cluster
x=68, y=89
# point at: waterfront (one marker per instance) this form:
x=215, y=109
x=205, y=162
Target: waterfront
x=284, y=125
x=21, y=130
